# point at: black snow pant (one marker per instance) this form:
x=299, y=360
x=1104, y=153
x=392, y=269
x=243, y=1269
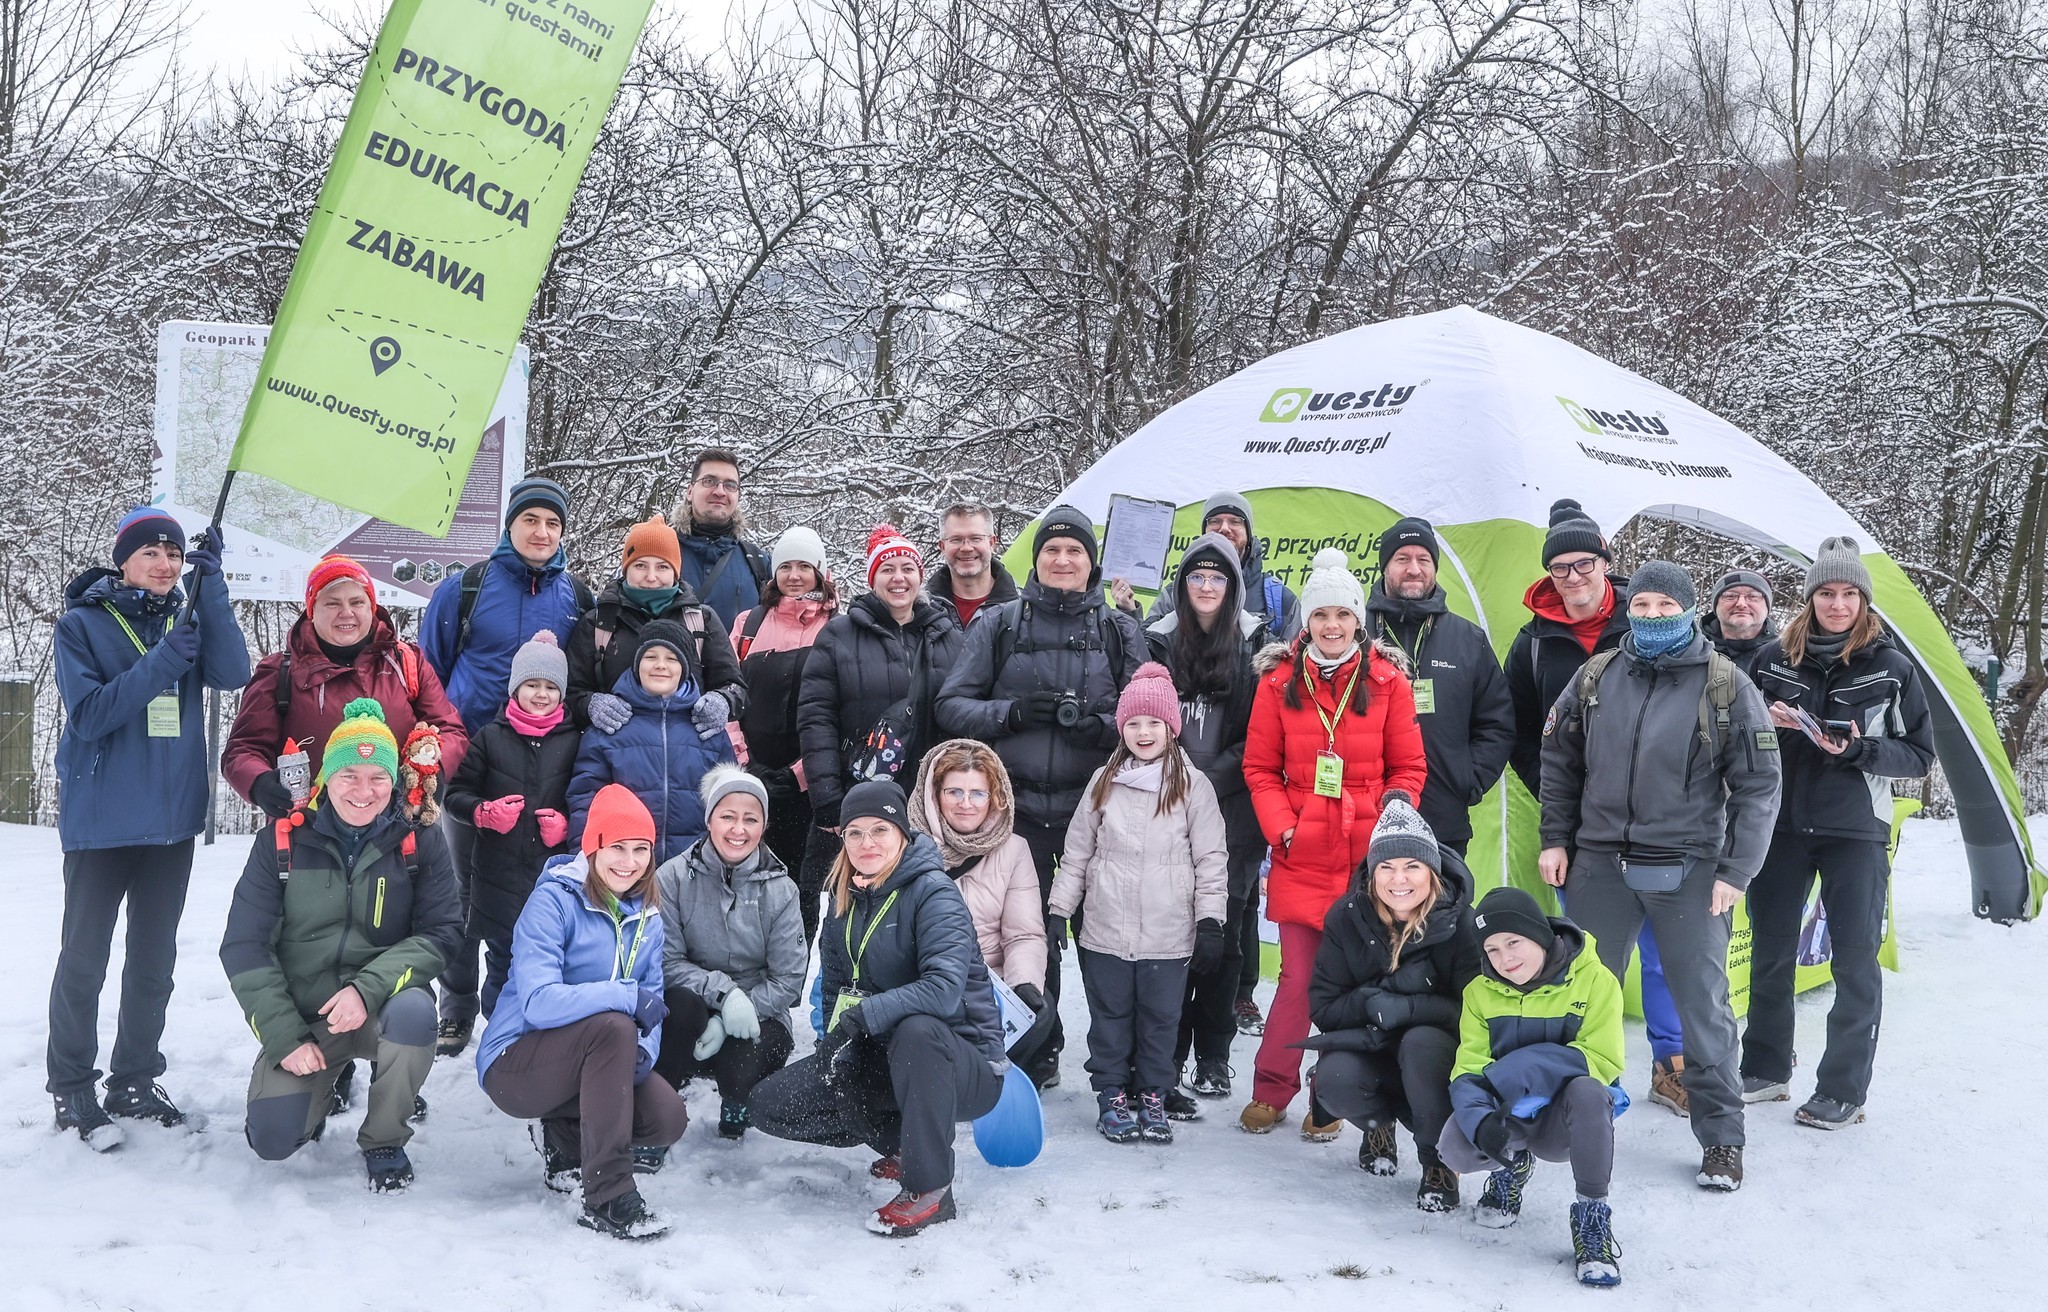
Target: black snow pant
x=458, y=981
x=152, y=881
x=821, y=849
x=789, y=836
x=1576, y=1126
x=1208, y=1018
x=1248, y=967
x=737, y=1066
x=1046, y=843
x=1408, y=1081
x=1134, y=1010
x=1854, y=877
x=901, y=1095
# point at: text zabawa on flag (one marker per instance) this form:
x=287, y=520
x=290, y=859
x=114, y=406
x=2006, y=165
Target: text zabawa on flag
x=449, y=186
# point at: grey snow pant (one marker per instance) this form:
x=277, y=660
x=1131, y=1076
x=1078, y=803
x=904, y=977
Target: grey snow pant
x=1134, y=1010
x=287, y=1110
x=1577, y=1126
x=152, y=882
x=1409, y=1082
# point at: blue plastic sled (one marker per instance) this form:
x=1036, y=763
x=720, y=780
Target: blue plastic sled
x=1013, y=1132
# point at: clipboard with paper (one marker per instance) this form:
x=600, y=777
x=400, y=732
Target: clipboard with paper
x=1136, y=541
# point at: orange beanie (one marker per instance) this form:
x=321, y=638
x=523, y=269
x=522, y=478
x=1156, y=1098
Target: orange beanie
x=615, y=814
x=653, y=537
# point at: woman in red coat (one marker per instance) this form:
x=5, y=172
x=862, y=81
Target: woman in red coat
x=1333, y=730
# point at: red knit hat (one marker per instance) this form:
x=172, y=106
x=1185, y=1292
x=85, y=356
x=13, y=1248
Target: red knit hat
x=1150, y=692
x=886, y=542
x=616, y=813
x=653, y=537
x=334, y=569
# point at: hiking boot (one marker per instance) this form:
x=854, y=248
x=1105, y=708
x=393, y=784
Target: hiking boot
x=733, y=1120
x=1439, y=1189
x=886, y=1168
x=1318, y=1126
x=1153, y=1125
x=344, y=1091
x=419, y=1110
x=80, y=1111
x=1380, y=1154
x=390, y=1170
x=1258, y=1117
x=1667, y=1085
x=1761, y=1088
x=1500, y=1203
x=649, y=1158
x=1117, y=1122
x=907, y=1213
x=624, y=1217
x=149, y=1102
x=1250, y=1020
x=1180, y=1107
x=1721, y=1168
x=1212, y=1079
x=1827, y=1113
x=561, y=1169
x=1593, y=1246
x=452, y=1037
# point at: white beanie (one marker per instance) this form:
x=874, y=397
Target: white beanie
x=802, y=544
x=1331, y=583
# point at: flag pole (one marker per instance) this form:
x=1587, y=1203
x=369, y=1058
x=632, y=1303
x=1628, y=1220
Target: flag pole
x=220, y=507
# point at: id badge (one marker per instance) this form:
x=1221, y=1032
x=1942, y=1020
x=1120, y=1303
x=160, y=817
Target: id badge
x=1329, y=774
x=163, y=714
x=1425, y=696
x=846, y=998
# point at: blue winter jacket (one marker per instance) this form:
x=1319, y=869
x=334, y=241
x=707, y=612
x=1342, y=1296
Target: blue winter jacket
x=572, y=959
x=117, y=786
x=657, y=755
x=739, y=587
x=515, y=602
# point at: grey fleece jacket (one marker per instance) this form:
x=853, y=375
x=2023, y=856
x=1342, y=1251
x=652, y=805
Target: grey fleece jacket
x=732, y=928
x=1634, y=774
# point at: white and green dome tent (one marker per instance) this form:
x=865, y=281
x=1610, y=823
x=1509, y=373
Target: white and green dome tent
x=1478, y=425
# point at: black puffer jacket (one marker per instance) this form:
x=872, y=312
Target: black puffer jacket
x=1358, y=1003
x=593, y=671
x=1540, y=665
x=1051, y=641
x=923, y=959
x=503, y=762
x=858, y=668
x=1849, y=796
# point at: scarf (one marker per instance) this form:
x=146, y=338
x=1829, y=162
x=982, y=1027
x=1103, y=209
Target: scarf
x=1825, y=648
x=532, y=726
x=1659, y=635
x=1329, y=665
x=345, y=657
x=958, y=851
x=1146, y=776
x=652, y=600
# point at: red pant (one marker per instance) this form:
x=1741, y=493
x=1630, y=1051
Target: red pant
x=1277, y=1069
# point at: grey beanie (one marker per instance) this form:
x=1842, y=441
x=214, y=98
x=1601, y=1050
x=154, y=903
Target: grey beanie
x=1667, y=578
x=1840, y=561
x=1572, y=529
x=1401, y=832
x=1228, y=503
x=540, y=658
x=722, y=781
x=1741, y=578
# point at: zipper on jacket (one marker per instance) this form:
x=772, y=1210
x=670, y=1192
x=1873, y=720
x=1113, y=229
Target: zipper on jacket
x=377, y=914
x=1628, y=826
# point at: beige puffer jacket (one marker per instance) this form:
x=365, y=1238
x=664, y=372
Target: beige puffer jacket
x=1002, y=895
x=1144, y=879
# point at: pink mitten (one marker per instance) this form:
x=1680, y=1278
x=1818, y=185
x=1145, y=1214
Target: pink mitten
x=554, y=826
x=501, y=815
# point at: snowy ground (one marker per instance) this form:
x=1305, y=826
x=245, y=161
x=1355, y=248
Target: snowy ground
x=1916, y=1208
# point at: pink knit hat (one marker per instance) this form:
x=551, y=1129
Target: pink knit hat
x=1150, y=692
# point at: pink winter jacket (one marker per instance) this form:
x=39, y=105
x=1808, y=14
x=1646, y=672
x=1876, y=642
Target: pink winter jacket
x=1001, y=893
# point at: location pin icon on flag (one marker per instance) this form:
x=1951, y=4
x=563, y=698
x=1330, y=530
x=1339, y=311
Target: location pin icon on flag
x=384, y=353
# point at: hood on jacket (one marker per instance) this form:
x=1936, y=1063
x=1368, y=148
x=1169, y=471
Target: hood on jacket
x=627, y=686
x=507, y=556
x=679, y=519
x=569, y=870
x=869, y=611
x=1544, y=601
x=1570, y=942
x=100, y=586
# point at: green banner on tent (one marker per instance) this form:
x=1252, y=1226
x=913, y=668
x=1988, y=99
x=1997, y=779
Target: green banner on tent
x=449, y=185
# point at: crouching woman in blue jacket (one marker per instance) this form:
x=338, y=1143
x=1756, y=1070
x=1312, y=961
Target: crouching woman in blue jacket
x=914, y=1044
x=573, y=1039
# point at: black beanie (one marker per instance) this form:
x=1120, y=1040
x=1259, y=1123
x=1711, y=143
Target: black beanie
x=543, y=492
x=1572, y=529
x=1066, y=522
x=665, y=633
x=1508, y=910
x=875, y=799
x=1409, y=532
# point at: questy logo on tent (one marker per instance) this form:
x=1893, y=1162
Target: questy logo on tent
x=1291, y=403
x=1618, y=423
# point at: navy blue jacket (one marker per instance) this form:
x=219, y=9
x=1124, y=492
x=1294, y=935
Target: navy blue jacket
x=658, y=755
x=739, y=586
x=117, y=786
x=515, y=602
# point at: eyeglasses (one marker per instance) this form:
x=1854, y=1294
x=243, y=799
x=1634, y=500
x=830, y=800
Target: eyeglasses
x=1565, y=569
x=978, y=796
x=713, y=483
x=965, y=540
x=1208, y=580
x=862, y=837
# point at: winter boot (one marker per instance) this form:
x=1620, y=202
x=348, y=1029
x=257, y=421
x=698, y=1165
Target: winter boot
x=649, y=1158
x=1317, y=1125
x=886, y=1168
x=390, y=1169
x=452, y=1037
x=733, y=1120
x=149, y=1102
x=907, y=1213
x=1250, y=1020
x=1593, y=1246
x=1116, y=1122
x=344, y=1090
x=419, y=1110
x=561, y=1167
x=1258, y=1117
x=1212, y=1079
x=1761, y=1088
x=1500, y=1203
x=1667, y=1085
x=624, y=1217
x=1180, y=1107
x=1721, y=1168
x=80, y=1111
x=1153, y=1123
x=1439, y=1189
x=1824, y=1113
x=1380, y=1154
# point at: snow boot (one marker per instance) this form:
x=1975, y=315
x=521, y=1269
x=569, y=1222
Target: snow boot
x=419, y=1110
x=1721, y=1168
x=1258, y=1117
x=1250, y=1020
x=1116, y=1122
x=1761, y=1088
x=390, y=1170
x=733, y=1120
x=1667, y=1085
x=907, y=1213
x=1500, y=1203
x=1439, y=1189
x=1153, y=1123
x=344, y=1091
x=80, y=1111
x=886, y=1168
x=1380, y=1154
x=1212, y=1079
x=149, y=1102
x=1180, y=1107
x=624, y=1217
x=1317, y=1125
x=452, y=1037
x=561, y=1168
x=1827, y=1113
x=649, y=1158
x=1593, y=1246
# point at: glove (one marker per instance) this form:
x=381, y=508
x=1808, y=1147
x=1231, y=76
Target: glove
x=783, y=789
x=1055, y=932
x=499, y=816
x=183, y=640
x=854, y=1021
x=608, y=712
x=710, y=1041
x=1097, y=733
x=1030, y=996
x=554, y=826
x=1491, y=1136
x=1039, y=708
x=268, y=791
x=1393, y=793
x=738, y=1014
x=1208, y=955
x=649, y=1010
x=204, y=560
x=827, y=1053
x=710, y=714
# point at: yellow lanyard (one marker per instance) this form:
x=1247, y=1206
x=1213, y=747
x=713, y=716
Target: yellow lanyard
x=639, y=932
x=866, y=938
x=122, y=620
x=1330, y=723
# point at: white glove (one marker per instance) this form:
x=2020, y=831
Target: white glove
x=741, y=1021
x=709, y=1042
x=710, y=713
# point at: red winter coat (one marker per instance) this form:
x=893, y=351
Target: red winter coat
x=320, y=688
x=1382, y=749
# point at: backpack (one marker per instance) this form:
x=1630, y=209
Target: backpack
x=743, y=641
x=473, y=583
x=408, y=848
x=1276, y=605
x=407, y=659
x=601, y=634
x=1011, y=616
x=1716, y=701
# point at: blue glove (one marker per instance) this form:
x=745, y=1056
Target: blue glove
x=183, y=640
x=710, y=714
x=204, y=557
x=649, y=1010
x=608, y=713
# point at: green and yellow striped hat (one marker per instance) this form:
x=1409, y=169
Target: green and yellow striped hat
x=362, y=738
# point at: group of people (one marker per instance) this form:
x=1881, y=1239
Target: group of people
x=614, y=825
